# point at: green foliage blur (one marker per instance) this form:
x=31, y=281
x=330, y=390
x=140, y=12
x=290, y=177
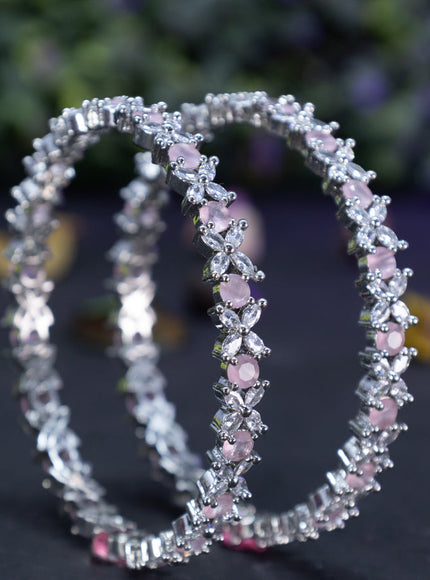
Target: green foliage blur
x=362, y=62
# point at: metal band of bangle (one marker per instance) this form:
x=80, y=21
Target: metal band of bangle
x=362, y=454
x=385, y=317
x=49, y=170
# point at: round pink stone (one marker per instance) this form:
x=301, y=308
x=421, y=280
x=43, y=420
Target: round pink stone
x=387, y=416
x=356, y=188
x=384, y=261
x=188, y=151
x=239, y=450
x=359, y=481
x=328, y=142
x=245, y=373
x=391, y=341
x=99, y=546
x=217, y=213
x=225, y=503
x=236, y=290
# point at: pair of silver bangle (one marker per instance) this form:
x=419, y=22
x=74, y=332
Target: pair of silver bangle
x=217, y=506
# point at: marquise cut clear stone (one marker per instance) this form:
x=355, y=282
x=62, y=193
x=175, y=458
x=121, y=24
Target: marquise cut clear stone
x=254, y=396
x=234, y=400
x=232, y=422
x=378, y=211
x=196, y=193
x=219, y=263
x=400, y=312
x=373, y=387
x=380, y=313
x=254, y=343
x=234, y=236
x=243, y=263
x=232, y=344
x=214, y=241
x=381, y=368
x=230, y=319
x=401, y=362
x=398, y=284
x=366, y=236
x=356, y=214
x=355, y=171
x=399, y=390
x=187, y=175
x=207, y=170
x=251, y=315
x=216, y=191
x=253, y=422
x=387, y=237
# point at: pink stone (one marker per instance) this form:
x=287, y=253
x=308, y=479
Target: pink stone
x=359, y=481
x=188, y=151
x=239, y=450
x=100, y=547
x=245, y=373
x=152, y=116
x=245, y=545
x=387, y=416
x=217, y=213
x=383, y=260
x=236, y=290
x=155, y=118
x=328, y=142
x=287, y=109
x=391, y=341
x=356, y=188
x=225, y=503
x=197, y=544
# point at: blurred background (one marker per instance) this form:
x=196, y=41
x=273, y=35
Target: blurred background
x=362, y=62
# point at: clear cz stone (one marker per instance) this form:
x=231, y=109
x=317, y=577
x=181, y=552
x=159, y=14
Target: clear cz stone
x=387, y=237
x=216, y=191
x=380, y=313
x=251, y=315
x=234, y=237
x=232, y=344
x=219, y=264
x=196, y=193
x=254, y=343
x=214, y=241
x=230, y=319
x=243, y=264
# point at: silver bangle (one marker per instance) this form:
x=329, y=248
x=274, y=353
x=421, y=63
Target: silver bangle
x=385, y=317
x=49, y=169
x=362, y=456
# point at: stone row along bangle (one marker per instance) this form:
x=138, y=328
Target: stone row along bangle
x=49, y=170
x=362, y=455
x=381, y=390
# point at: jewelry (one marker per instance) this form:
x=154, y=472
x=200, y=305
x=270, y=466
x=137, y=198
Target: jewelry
x=49, y=169
x=385, y=317
x=381, y=390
